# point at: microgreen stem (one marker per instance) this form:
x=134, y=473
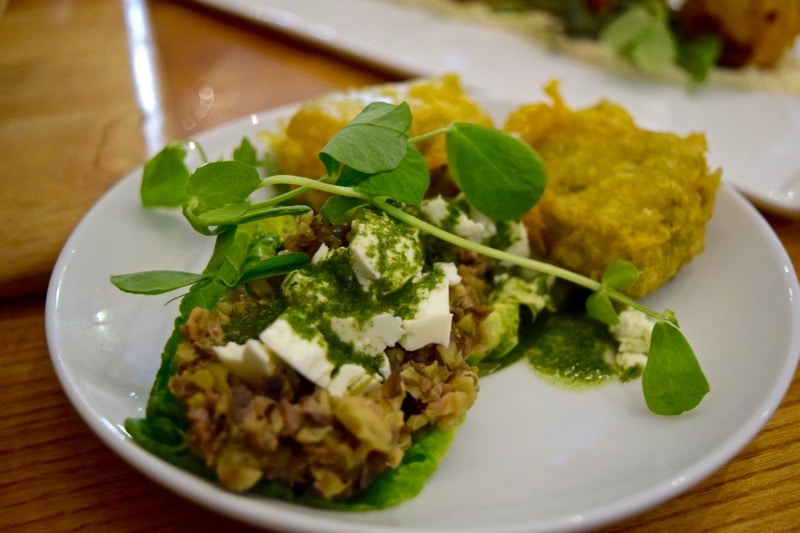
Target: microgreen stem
x=411, y=220
x=308, y=183
x=488, y=251
x=525, y=262
x=281, y=179
x=200, y=150
x=305, y=184
x=427, y=135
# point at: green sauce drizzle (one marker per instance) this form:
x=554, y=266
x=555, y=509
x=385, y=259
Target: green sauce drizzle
x=572, y=349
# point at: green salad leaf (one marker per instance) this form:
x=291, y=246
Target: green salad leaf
x=698, y=55
x=500, y=175
x=165, y=178
x=375, y=141
x=407, y=183
x=673, y=382
x=154, y=281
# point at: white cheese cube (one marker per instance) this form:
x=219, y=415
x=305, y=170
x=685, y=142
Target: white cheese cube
x=352, y=379
x=476, y=228
x=249, y=362
x=307, y=356
x=633, y=333
x=321, y=254
x=383, y=252
x=432, y=319
x=460, y=218
x=436, y=209
x=451, y=271
x=513, y=236
x=381, y=331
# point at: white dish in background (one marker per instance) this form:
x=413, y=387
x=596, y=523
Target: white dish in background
x=530, y=457
x=754, y=136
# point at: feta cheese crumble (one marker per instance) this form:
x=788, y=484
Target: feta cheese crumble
x=633, y=333
x=384, y=251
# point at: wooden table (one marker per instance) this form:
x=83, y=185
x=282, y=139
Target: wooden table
x=75, y=117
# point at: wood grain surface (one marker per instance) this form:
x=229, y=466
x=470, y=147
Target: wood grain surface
x=75, y=117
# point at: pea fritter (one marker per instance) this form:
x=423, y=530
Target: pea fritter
x=615, y=190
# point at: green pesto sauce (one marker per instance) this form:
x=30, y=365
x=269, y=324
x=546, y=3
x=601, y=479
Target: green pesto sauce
x=338, y=288
x=254, y=318
x=405, y=301
x=454, y=213
x=340, y=353
x=572, y=350
x=506, y=235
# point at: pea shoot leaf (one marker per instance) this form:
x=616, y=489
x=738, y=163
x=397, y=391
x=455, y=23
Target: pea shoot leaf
x=501, y=176
x=224, y=214
x=271, y=266
x=375, y=141
x=406, y=183
x=154, y=281
x=164, y=178
x=246, y=153
x=219, y=183
x=339, y=209
x=673, y=381
x=619, y=274
x=599, y=306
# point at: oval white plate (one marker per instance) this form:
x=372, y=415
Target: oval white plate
x=755, y=136
x=530, y=456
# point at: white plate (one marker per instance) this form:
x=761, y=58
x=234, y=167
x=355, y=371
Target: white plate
x=754, y=136
x=530, y=456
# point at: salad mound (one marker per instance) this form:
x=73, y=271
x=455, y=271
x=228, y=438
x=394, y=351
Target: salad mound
x=326, y=356
x=254, y=414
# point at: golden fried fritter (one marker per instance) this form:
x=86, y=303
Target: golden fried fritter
x=615, y=190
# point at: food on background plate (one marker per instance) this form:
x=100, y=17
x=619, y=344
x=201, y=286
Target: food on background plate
x=753, y=33
x=326, y=356
x=740, y=43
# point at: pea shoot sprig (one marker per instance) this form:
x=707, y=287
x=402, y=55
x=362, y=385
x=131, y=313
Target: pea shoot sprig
x=373, y=161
